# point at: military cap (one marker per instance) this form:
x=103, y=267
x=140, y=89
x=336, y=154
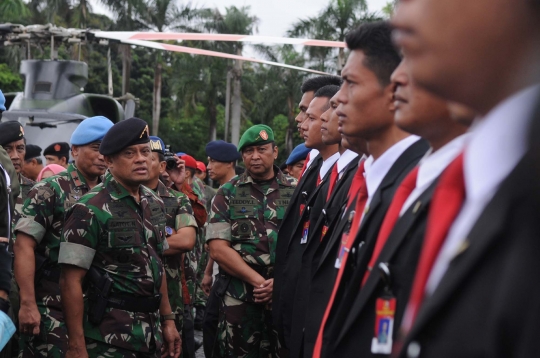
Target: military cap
x=299, y=153
x=259, y=134
x=222, y=151
x=2, y=102
x=91, y=130
x=157, y=144
x=190, y=161
x=32, y=151
x=123, y=134
x=60, y=149
x=11, y=131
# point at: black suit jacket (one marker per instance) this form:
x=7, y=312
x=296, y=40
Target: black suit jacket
x=307, y=184
x=488, y=302
x=323, y=213
x=400, y=254
x=325, y=273
x=293, y=259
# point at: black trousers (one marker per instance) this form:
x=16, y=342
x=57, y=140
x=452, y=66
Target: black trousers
x=210, y=323
x=188, y=333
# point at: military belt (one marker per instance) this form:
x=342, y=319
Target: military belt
x=144, y=304
x=265, y=271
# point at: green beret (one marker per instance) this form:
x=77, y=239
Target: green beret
x=259, y=134
x=123, y=134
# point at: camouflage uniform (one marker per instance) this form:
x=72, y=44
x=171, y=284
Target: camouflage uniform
x=26, y=185
x=179, y=214
x=109, y=230
x=248, y=214
x=42, y=217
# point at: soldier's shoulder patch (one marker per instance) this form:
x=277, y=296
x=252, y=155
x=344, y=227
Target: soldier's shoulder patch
x=43, y=192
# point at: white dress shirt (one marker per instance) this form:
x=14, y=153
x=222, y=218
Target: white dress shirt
x=432, y=165
x=494, y=149
x=376, y=170
x=327, y=164
x=312, y=154
x=344, y=160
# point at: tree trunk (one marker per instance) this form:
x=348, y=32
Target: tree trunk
x=213, y=122
x=236, y=101
x=341, y=60
x=289, y=142
x=227, y=105
x=126, y=67
x=156, y=111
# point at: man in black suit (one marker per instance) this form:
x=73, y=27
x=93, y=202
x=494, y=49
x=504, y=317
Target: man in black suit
x=296, y=232
x=476, y=297
x=393, y=263
x=366, y=110
x=323, y=215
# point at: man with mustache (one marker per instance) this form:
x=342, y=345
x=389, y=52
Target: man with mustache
x=115, y=238
x=38, y=239
x=471, y=296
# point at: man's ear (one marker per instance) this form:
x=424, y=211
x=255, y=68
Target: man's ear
x=162, y=167
x=276, y=151
x=389, y=94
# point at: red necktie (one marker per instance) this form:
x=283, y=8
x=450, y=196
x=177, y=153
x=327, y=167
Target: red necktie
x=392, y=215
x=318, y=179
x=347, y=242
x=445, y=206
x=333, y=181
x=305, y=165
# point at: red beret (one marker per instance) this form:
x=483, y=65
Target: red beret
x=190, y=161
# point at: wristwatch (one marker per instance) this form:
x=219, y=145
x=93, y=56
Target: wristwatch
x=168, y=317
x=4, y=305
x=168, y=231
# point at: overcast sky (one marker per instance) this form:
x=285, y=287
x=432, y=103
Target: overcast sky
x=276, y=16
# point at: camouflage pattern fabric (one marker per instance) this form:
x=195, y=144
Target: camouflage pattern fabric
x=248, y=213
x=179, y=214
x=109, y=230
x=25, y=185
x=104, y=350
x=42, y=217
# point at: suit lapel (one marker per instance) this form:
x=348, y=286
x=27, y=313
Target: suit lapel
x=396, y=238
x=305, y=179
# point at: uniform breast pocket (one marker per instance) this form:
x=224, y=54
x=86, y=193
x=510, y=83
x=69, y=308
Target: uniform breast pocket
x=123, y=233
x=244, y=228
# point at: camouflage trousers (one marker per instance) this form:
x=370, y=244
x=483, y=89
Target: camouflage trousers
x=52, y=338
x=97, y=349
x=245, y=330
x=200, y=296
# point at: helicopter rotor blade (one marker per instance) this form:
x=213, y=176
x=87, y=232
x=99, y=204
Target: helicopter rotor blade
x=197, y=51
x=126, y=35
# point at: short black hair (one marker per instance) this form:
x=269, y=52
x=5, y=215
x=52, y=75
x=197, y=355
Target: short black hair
x=161, y=157
x=327, y=91
x=314, y=83
x=191, y=170
x=38, y=160
x=374, y=39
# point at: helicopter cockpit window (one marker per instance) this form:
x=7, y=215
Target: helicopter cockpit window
x=42, y=87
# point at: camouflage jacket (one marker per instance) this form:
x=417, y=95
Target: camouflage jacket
x=44, y=209
x=198, y=187
x=248, y=214
x=25, y=185
x=179, y=214
x=109, y=230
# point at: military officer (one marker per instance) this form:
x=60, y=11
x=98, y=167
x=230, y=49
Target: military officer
x=180, y=230
x=38, y=232
x=33, y=163
x=12, y=140
x=114, y=237
x=57, y=153
x=242, y=235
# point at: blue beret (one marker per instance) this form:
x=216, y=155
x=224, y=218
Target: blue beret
x=180, y=154
x=299, y=153
x=2, y=102
x=123, y=134
x=157, y=144
x=222, y=151
x=91, y=130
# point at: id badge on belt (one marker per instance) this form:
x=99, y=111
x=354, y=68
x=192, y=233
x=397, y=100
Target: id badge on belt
x=344, y=239
x=305, y=232
x=385, y=311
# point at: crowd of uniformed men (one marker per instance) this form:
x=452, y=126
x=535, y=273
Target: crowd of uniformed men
x=406, y=225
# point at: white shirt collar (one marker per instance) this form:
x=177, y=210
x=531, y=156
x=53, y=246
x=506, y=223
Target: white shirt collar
x=327, y=164
x=432, y=165
x=312, y=155
x=498, y=143
x=344, y=160
x=376, y=170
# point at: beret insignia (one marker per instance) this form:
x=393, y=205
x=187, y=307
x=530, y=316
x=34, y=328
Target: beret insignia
x=263, y=134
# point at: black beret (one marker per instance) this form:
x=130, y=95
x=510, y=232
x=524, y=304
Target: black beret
x=222, y=151
x=60, y=149
x=11, y=131
x=32, y=151
x=123, y=134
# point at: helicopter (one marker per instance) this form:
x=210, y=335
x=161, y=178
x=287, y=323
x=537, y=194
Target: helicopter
x=53, y=103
